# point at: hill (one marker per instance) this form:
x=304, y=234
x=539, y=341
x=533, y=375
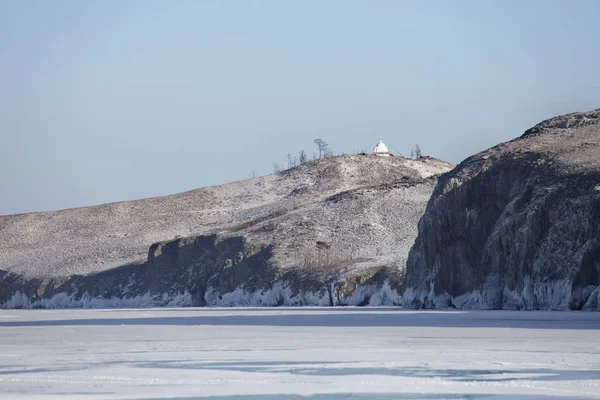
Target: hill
x=354, y=212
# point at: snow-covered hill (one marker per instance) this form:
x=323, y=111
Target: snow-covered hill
x=358, y=212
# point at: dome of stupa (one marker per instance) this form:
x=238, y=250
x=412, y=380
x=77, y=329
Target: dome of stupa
x=381, y=149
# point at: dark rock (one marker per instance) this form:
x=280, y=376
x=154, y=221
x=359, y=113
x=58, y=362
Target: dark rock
x=516, y=226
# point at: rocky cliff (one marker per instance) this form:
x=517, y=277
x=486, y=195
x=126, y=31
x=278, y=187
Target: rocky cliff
x=333, y=231
x=516, y=226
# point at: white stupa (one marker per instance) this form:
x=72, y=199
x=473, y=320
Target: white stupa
x=381, y=149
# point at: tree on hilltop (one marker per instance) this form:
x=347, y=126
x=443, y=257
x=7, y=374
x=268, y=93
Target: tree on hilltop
x=416, y=152
x=322, y=145
x=302, y=157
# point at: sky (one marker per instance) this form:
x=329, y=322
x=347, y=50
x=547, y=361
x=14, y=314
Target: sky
x=110, y=100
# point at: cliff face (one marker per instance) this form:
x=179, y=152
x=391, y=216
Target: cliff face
x=210, y=271
x=333, y=231
x=516, y=226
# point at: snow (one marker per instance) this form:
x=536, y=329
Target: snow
x=280, y=294
x=294, y=354
x=427, y=167
x=550, y=295
x=63, y=300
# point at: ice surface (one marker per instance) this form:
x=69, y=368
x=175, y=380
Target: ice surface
x=300, y=353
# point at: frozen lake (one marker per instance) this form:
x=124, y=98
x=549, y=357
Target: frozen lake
x=294, y=354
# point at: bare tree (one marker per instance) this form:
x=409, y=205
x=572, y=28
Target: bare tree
x=302, y=157
x=328, y=152
x=253, y=173
x=322, y=145
x=417, y=151
x=412, y=153
x=314, y=156
x=276, y=168
x=289, y=161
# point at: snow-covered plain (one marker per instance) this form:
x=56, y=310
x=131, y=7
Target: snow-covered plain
x=297, y=353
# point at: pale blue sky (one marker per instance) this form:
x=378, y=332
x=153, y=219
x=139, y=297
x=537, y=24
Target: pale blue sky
x=104, y=101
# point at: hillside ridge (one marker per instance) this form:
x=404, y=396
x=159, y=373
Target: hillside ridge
x=92, y=239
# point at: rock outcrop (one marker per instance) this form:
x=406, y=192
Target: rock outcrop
x=516, y=226
x=333, y=231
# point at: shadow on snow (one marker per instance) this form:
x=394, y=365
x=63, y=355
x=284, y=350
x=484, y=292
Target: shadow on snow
x=341, y=318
